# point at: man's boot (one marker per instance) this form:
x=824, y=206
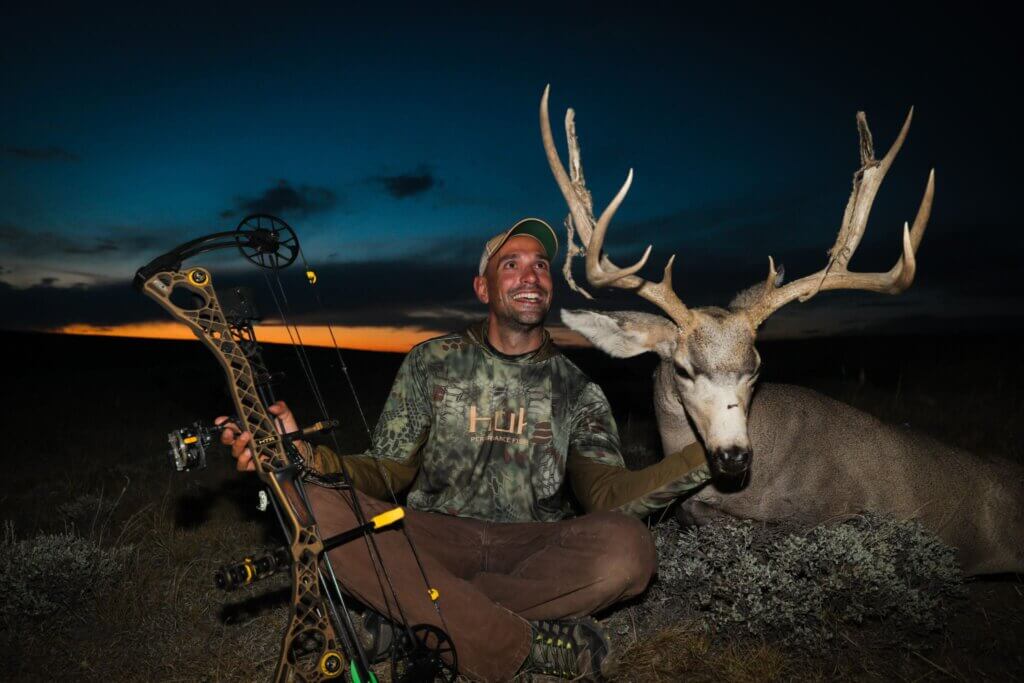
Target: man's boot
x=568, y=648
x=381, y=636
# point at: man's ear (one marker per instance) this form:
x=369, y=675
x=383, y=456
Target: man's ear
x=625, y=334
x=480, y=288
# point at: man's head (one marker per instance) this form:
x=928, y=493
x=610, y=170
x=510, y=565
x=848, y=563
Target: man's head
x=515, y=274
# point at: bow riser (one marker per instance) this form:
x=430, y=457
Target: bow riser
x=309, y=650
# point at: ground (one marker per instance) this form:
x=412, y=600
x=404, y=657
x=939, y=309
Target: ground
x=85, y=463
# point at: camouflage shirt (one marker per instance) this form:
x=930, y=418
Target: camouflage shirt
x=484, y=435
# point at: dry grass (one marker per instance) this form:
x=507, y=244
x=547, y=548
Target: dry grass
x=164, y=620
x=684, y=652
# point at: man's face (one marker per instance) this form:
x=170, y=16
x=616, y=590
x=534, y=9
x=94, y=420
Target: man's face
x=517, y=283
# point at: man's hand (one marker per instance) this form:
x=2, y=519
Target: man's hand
x=239, y=441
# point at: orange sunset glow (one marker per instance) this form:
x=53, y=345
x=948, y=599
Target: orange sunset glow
x=382, y=338
x=368, y=338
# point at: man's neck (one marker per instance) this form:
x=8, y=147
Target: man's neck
x=514, y=341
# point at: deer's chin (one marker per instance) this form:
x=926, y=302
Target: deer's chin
x=724, y=470
x=730, y=483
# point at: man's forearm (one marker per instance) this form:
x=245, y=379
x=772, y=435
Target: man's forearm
x=637, y=492
x=377, y=477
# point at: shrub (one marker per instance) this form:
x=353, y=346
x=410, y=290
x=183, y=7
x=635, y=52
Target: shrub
x=54, y=572
x=86, y=509
x=798, y=586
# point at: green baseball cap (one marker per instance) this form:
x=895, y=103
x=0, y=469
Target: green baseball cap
x=534, y=227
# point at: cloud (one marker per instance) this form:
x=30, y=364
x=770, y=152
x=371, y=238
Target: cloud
x=45, y=306
x=101, y=245
x=410, y=184
x=443, y=312
x=25, y=243
x=284, y=198
x=438, y=294
x=40, y=153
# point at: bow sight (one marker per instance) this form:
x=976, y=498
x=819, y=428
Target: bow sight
x=189, y=444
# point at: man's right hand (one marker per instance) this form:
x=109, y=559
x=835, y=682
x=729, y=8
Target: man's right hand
x=239, y=441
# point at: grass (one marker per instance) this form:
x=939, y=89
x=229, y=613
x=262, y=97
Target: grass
x=86, y=458
x=684, y=651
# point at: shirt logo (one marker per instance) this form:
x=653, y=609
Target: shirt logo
x=504, y=426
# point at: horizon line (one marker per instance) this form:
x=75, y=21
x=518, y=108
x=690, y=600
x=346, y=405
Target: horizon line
x=380, y=338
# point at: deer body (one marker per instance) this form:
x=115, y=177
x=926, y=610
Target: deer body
x=818, y=460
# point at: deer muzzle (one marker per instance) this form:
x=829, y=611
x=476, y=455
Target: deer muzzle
x=731, y=461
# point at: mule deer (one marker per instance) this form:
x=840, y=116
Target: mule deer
x=816, y=459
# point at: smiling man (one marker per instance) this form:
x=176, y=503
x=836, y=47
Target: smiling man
x=487, y=429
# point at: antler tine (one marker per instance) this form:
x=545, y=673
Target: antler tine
x=597, y=275
x=601, y=272
x=903, y=272
x=835, y=275
x=866, y=183
x=555, y=162
x=924, y=212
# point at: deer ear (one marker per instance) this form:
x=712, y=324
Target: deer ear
x=624, y=334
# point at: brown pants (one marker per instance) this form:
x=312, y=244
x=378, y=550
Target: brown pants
x=492, y=577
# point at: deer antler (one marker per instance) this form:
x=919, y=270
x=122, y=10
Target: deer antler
x=601, y=272
x=835, y=275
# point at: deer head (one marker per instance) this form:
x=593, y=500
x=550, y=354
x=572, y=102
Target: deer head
x=709, y=352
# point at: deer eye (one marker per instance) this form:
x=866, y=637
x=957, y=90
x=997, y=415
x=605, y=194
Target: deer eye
x=683, y=373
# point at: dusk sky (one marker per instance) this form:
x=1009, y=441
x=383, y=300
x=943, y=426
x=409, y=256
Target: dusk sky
x=396, y=142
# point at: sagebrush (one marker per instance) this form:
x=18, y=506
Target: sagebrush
x=801, y=586
x=55, y=574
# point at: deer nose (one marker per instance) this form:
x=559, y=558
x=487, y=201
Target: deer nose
x=733, y=460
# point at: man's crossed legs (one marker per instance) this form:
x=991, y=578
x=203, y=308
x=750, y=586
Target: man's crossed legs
x=493, y=578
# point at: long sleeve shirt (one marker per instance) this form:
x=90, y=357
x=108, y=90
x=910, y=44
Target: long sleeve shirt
x=479, y=434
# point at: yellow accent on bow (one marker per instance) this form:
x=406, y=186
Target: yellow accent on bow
x=387, y=518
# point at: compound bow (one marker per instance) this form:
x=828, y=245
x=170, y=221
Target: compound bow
x=319, y=639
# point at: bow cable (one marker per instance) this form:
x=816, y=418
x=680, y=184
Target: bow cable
x=312, y=278
x=303, y=358
x=304, y=361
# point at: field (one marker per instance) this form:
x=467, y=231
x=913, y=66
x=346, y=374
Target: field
x=124, y=547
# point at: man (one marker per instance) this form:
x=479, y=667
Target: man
x=486, y=426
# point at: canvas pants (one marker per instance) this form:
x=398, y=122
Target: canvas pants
x=492, y=578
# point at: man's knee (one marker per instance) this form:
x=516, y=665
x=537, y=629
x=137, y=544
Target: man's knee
x=629, y=559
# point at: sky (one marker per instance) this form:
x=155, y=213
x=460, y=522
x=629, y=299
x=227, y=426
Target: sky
x=395, y=142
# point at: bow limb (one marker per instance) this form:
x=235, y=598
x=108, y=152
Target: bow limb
x=310, y=647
